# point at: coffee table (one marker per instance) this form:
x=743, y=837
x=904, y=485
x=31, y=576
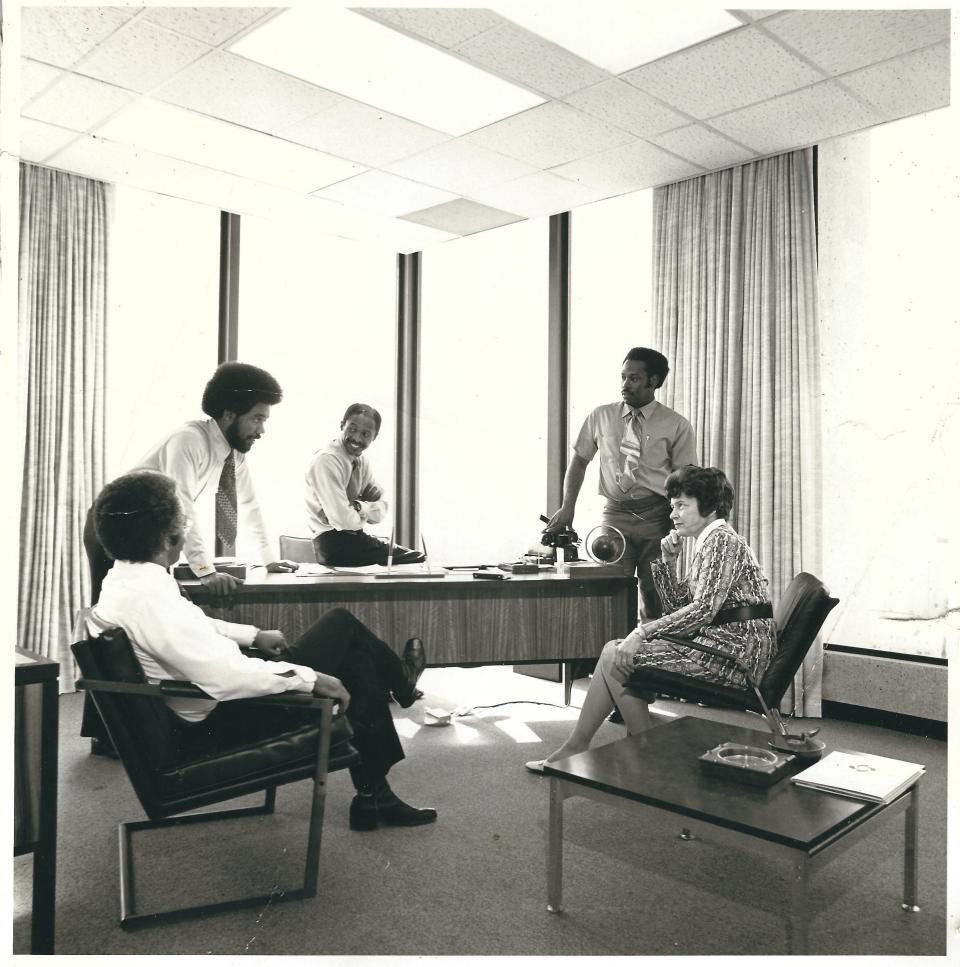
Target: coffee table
x=801, y=828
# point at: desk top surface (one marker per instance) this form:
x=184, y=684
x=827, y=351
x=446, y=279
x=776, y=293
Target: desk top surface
x=661, y=768
x=31, y=667
x=259, y=581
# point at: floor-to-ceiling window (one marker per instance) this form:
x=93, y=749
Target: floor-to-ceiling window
x=162, y=297
x=483, y=403
x=891, y=411
x=610, y=291
x=319, y=313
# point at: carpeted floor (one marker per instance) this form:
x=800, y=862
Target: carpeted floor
x=474, y=882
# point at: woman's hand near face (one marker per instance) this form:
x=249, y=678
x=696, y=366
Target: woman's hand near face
x=670, y=547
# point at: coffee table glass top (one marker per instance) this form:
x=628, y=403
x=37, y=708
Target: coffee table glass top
x=661, y=768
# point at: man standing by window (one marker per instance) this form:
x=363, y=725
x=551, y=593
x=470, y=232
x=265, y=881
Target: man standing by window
x=640, y=442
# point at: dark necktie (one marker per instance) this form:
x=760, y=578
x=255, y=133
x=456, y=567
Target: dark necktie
x=226, y=503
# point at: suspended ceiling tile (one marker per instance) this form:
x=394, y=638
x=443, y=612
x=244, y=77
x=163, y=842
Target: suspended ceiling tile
x=77, y=102
x=530, y=60
x=548, y=135
x=62, y=35
x=462, y=217
x=703, y=147
x=460, y=167
x=758, y=14
x=910, y=84
x=739, y=68
x=226, y=86
x=623, y=105
x=38, y=140
x=407, y=237
x=798, y=119
x=362, y=133
x=843, y=40
x=445, y=27
x=211, y=25
x=140, y=56
x=538, y=194
x=184, y=134
x=34, y=77
x=384, y=193
x=628, y=168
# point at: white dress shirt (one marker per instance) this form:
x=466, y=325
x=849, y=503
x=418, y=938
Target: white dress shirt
x=194, y=456
x=173, y=638
x=668, y=443
x=333, y=483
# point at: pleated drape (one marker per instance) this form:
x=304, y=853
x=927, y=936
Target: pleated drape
x=62, y=320
x=735, y=310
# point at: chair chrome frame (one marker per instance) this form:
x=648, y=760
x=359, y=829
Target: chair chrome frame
x=129, y=917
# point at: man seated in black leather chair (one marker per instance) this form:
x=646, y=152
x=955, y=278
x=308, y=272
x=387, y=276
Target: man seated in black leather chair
x=140, y=523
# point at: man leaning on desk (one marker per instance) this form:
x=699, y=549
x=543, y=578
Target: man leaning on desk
x=640, y=442
x=198, y=455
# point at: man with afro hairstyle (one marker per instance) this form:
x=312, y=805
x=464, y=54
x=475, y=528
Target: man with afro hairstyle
x=237, y=400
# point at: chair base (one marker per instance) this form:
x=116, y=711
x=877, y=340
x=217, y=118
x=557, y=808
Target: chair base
x=130, y=919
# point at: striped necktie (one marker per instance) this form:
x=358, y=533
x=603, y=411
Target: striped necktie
x=226, y=505
x=631, y=448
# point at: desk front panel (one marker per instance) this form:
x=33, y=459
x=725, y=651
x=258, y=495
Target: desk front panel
x=462, y=621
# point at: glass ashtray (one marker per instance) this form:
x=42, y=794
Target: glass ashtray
x=746, y=756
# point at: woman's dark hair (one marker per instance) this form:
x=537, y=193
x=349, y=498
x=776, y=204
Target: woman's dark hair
x=653, y=362
x=707, y=485
x=134, y=514
x=364, y=409
x=238, y=387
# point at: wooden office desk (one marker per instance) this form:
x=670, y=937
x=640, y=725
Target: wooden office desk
x=35, y=785
x=462, y=620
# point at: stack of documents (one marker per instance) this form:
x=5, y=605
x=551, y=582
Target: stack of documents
x=874, y=778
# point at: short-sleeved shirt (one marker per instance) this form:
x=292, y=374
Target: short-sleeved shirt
x=668, y=444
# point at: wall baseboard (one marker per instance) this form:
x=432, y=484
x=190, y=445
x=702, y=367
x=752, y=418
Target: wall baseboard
x=877, y=680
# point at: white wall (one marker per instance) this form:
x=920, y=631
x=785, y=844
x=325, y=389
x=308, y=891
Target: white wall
x=891, y=428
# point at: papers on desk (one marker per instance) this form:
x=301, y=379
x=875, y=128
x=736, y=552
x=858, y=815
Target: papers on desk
x=321, y=570
x=859, y=775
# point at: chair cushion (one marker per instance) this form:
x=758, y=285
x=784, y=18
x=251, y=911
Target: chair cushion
x=645, y=679
x=246, y=762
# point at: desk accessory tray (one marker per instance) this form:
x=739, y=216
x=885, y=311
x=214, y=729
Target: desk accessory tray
x=746, y=763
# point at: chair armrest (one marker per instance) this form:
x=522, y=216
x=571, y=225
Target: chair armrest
x=708, y=649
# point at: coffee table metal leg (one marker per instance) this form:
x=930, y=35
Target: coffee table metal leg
x=911, y=838
x=797, y=932
x=555, y=849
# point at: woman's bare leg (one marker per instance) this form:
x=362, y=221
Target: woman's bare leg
x=606, y=690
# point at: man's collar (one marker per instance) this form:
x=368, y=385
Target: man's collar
x=647, y=409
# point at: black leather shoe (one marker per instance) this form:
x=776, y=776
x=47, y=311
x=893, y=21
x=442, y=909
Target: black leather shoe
x=398, y=813
x=414, y=660
x=103, y=748
x=363, y=813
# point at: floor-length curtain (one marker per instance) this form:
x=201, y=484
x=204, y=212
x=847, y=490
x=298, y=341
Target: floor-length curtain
x=63, y=247
x=735, y=311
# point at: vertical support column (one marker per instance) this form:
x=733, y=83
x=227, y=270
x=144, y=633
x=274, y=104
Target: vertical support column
x=407, y=468
x=558, y=358
x=229, y=286
x=911, y=845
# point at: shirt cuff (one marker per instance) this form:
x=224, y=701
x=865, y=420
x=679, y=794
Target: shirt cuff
x=202, y=570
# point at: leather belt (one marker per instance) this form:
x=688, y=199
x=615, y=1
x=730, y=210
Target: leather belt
x=744, y=613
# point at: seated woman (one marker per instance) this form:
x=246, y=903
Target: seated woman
x=342, y=496
x=723, y=575
x=140, y=523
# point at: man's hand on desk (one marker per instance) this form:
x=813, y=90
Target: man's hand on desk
x=282, y=567
x=326, y=686
x=271, y=643
x=220, y=584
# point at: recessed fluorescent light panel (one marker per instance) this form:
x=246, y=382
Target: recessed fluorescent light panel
x=618, y=35
x=353, y=55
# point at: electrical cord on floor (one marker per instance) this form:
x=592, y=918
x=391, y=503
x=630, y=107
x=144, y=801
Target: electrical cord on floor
x=459, y=713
